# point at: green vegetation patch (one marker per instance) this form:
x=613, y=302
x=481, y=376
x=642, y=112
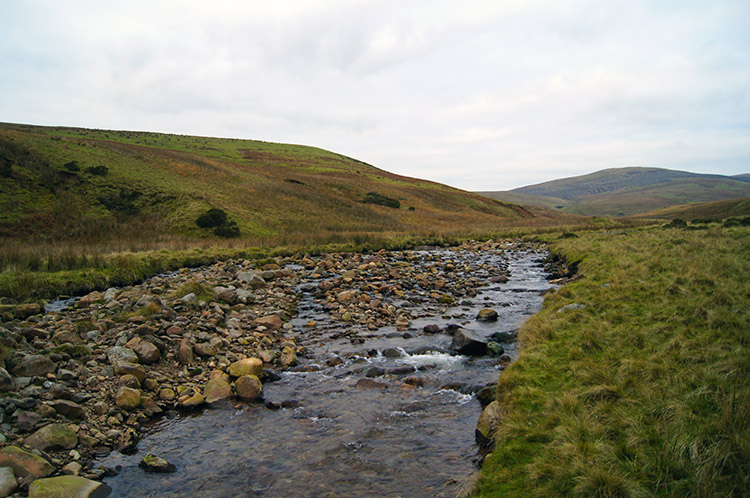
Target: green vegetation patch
x=381, y=200
x=643, y=389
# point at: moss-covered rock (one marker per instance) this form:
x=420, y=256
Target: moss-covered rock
x=68, y=487
x=128, y=398
x=52, y=437
x=24, y=463
x=217, y=389
x=487, y=424
x=152, y=463
x=248, y=366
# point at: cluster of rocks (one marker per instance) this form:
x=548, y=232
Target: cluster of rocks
x=80, y=383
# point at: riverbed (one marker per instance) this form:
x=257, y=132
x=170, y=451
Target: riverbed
x=386, y=411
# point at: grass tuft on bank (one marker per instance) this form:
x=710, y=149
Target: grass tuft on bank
x=645, y=391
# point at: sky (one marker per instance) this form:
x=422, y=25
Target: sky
x=480, y=95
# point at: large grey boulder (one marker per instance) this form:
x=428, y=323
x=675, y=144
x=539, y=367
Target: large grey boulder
x=468, y=343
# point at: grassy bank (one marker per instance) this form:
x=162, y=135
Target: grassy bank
x=645, y=391
x=35, y=269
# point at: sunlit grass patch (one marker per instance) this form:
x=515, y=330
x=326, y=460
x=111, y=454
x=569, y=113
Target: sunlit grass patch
x=644, y=391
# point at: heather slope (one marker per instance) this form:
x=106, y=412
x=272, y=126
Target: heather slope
x=70, y=182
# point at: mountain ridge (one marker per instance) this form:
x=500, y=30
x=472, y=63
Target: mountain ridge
x=627, y=191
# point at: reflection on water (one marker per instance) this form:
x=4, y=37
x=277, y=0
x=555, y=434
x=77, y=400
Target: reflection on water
x=411, y=436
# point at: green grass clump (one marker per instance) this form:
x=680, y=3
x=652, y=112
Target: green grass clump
x=645, y=391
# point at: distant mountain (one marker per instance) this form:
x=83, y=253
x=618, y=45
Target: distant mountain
x=628, y=191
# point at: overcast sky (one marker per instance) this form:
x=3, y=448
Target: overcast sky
x=481, y=95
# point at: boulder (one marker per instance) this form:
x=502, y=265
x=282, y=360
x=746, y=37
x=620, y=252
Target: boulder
x=8, y=483
x=468, y=343
x=288, y=357
x=244, y=296
x=486, y=425
x=26, y=421
x=487, y=315
x=68, y=409
x=24, y=463
x=370, y=384
x=24, y=311
x=216, y=389
x=6, y=381
x=34, y=365
x=503, y=336
x=119, y=353
x=68, y=487
x=147, y=353
x=152, y=463
x=495, y=349
x=248, y=366
x=185, y=353
x=252, y=279
x=431, y=329
x=271, y=322
x=204, y=349
x=63, y=336
x=125, y=367
x=191, y=401
x=225, y=294
x=128, y=398
x=53, y=437
x=89, y=299
x=248, y=387
x=189, y=298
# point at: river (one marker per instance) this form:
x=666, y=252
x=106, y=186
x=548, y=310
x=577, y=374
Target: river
x=406, y=430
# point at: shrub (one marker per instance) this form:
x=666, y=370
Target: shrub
x=97, y=170
x=375, y=198
x=220, y=222
x=676, y=223
x=72, y=166
x=212, y=218
x=227, y=230
x=737, y=222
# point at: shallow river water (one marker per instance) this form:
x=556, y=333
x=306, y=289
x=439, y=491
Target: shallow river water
x=410, y=434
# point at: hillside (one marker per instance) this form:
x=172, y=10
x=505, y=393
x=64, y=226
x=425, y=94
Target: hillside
x=717, y=210
x=628, y=191
x=70, y=182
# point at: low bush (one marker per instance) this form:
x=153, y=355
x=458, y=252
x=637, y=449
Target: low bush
x=381, y=200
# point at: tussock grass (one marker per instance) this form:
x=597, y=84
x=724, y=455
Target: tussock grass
x=645, y=391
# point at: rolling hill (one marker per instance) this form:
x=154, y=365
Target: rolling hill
x=628, y=191
x=717, y=210
x=60, y=182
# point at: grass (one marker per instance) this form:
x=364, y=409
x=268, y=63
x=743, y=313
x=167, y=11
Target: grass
x=646, y=390
x=168, y=181
x=37, y=269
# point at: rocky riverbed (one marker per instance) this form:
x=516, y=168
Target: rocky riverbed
x=275, y=342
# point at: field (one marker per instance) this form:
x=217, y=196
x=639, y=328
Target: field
x=642, y=388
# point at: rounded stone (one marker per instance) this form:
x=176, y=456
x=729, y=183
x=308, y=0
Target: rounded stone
x=68, y=486
x=248, y=366
x=53, y=436
x=248, y=387
x=128, y=398
x=216, y=389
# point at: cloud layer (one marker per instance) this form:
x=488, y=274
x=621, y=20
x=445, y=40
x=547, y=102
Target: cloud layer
x=479, y=95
